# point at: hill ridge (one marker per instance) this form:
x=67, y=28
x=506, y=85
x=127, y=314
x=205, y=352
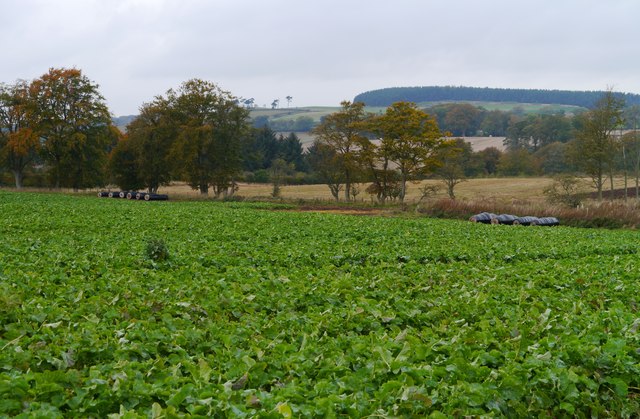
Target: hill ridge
x=386, y=96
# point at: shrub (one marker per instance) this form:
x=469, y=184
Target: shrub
x=564, y=190
x=157, y=250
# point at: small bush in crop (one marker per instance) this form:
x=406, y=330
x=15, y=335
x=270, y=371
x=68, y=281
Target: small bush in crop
x=157, y=250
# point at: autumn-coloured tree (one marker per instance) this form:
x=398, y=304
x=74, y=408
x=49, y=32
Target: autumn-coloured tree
x=385, y=181
x=462, y=119
x=410, y=139
x=73, y=123
x=18, y=142
x=210, y=125
x=342, y=131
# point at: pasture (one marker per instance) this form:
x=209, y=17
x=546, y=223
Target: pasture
x=501, y=189
x=260, y=311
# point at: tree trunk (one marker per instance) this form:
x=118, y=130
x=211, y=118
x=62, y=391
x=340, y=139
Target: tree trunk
x=598, y=183
x=403, y=187
x=204, y=189
x=599, y=188
x=624, y=165
x=450, y=185
x=638, y=176
x=637, y=183
x=19, y=177
x=347, y=186
x=611, y=185
x=335, y=191
x=57, y=169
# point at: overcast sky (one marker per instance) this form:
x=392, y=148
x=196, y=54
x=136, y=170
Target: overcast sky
x=321, y=52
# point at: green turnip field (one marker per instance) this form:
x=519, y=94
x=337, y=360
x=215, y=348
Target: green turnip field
x=126, y=309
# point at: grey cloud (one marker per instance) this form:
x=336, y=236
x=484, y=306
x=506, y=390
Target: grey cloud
x=323, y=52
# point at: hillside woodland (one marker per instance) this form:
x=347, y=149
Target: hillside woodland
x=586, y=99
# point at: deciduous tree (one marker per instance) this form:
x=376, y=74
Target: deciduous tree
x=553, y=158
x=123, y=165
x=462, y=119
x=327, y=164
x=73, y=122
x=385, y=180
x=18, y=142
x=537, y=131
x=454, y=160
x=518, y=162
x=210, y=125
x=278, y=173
x=594, y=147
x=495, y=123
x=489, y=158
x=410, y=139
x=342, y=131
x=150, y=137
x=631, y=147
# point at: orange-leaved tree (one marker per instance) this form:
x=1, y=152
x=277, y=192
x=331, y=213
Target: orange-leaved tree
x=18, y=141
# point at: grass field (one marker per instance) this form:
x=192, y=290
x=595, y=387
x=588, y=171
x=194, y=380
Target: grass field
x=498, y=189
x=526, y=108
x=314, y=112
x=477, y=143
x=502, y=189
x=270, y=313
x=317, y=112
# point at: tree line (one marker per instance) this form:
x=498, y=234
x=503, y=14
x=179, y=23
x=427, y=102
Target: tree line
x=387, y=96
x=353, y=147
x=57, y=131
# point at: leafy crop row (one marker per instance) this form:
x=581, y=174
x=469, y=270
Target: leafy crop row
x=280, y=314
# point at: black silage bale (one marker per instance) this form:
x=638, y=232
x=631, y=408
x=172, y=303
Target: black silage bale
x=546, y=222
x=155, y=197
x=506, y=219
x=525, y=221
x=483, y=217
